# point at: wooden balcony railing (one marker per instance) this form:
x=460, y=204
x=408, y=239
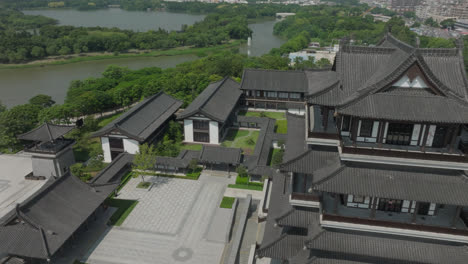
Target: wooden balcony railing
x=405, y=154
x=304, y=197
x=324, y=135
x=408, y=226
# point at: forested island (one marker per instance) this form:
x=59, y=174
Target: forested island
x=25, y=37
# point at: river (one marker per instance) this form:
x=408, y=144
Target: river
x=18, y=85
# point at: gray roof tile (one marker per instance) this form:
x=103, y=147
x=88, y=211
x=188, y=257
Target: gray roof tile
x=217, y=101
x=394, y=182
x=217, y=155
x=46, y=132
x=142, y=120
x=274, y=80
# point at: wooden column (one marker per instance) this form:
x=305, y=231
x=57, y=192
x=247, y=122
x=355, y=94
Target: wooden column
x=457, y=215
x=454, y=138
x=373, y=207
x=354, y=129
x=335, y=205
x=415, y=214
x=325, y=118
x=425, y=135
x=381, y=133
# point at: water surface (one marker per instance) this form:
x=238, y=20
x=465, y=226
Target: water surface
x=116, y=17
x=18, y=85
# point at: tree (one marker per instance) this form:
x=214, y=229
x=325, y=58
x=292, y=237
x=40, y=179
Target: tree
x=431, y=22
x=448, y=23
x=115, y=72
x=242, y=171
x=409, y=14
x=145, y=159
x=416, y=24
x=17, y=120
x=193, y=165
x=37, y=52
x=42, y=100
x=2, y=107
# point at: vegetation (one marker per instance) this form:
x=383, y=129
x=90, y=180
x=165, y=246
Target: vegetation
x=243, y=139
x=193, y=175
x=276, y=156
x=274, y=115
x=281, y=126
x=431, y=22
x=124, y=208
x=254, y=187
x=145, y=159
x=227, y=202
x=47, y=39
x=191, y=146
x=143, y=185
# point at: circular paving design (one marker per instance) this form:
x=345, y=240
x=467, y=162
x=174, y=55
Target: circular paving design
x=182, y=254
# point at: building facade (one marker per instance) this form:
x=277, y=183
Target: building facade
x=144, y=123
x=375, y=170
x=208, y=117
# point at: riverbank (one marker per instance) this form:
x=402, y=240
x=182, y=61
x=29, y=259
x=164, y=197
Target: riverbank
x=75, y=58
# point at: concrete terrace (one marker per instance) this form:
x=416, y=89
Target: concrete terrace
x=172, y=223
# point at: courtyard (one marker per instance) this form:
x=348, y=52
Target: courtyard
x=175, y=221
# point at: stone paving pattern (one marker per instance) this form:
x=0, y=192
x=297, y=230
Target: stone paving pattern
x=169, y=224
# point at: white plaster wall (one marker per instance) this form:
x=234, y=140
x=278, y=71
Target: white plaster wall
x=131, y=146
x=415, y=135
x=106, y=149
x=214, y=132
x=430, y=136
x=188, y=130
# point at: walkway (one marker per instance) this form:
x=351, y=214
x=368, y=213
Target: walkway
x=170, y=224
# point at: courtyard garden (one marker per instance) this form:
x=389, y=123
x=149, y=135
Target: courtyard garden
x=243, y=139
x=281, y=126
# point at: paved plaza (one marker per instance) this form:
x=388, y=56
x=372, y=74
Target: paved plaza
x=170, y=224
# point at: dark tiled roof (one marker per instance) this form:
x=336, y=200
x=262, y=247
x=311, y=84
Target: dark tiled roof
x=274, y=80
x=144, y=119
x=109, y=178
x=285, y=247
x=364, y=71
x=380, y=248
x=299, y=217
x=50, y=217
x=394, y=182
x=46, y=132
x=295, y=143
x=257, y=162
x=217, y=101
x=395, y=106
x=312, y=160
x=217, y=155
x=318, y=81
x=181, y=161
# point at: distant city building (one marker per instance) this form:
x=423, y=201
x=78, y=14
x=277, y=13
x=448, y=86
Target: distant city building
x=404, y=5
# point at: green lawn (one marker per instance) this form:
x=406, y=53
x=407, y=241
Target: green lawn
x=144, y=185
x=227, y=202
x=276, y=157
x=106, y=120
x=191, y=146
x=124, y=208
x=281, y=126
x=244, y=139
x=274, y=115
x=246, y=187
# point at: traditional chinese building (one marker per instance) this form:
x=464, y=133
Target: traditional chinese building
x=375, y=170
x=208, y=117
x=143, y=123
